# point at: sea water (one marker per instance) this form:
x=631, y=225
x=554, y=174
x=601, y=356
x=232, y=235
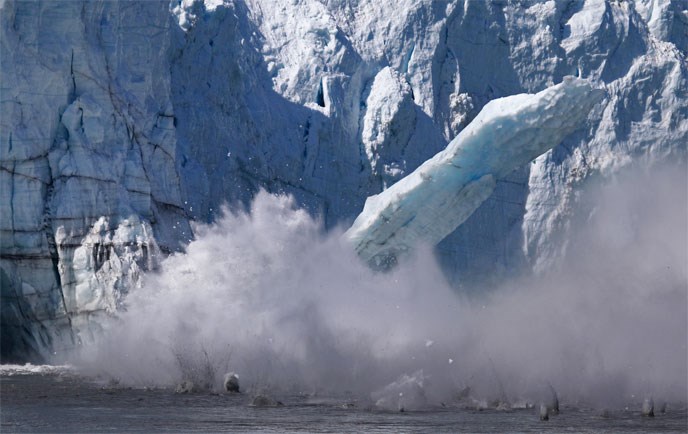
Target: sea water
x=61, y=401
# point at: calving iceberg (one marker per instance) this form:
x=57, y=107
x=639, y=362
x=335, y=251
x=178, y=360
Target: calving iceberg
x=110, y=112
x=428, y=204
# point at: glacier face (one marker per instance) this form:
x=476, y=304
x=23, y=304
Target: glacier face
x=124, y=121
x=88, y=162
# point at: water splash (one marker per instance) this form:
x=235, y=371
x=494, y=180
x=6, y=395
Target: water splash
x=268, y=294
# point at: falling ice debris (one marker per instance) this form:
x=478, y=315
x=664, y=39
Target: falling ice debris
x=544, y=412
x=231, y=383
x=431, y=202
x=648, y=409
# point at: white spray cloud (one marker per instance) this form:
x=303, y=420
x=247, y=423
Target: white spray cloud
x=268, y=294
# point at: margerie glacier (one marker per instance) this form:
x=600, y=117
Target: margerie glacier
x=124, y=121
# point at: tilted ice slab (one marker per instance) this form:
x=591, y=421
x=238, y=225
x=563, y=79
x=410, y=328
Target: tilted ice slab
x=428, y=204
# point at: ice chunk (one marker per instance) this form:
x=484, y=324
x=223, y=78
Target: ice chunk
x=428, y=204
x=262, y=400
x=29, y=369
x=231, y=382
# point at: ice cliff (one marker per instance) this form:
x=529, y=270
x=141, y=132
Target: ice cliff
x=121, y=122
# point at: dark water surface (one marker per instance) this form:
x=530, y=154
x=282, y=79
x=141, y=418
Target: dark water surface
x=59, y=402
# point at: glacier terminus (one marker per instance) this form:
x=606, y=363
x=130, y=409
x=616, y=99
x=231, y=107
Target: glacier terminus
x=124, y=124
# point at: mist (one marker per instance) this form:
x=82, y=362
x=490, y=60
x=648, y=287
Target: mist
x=269, y=294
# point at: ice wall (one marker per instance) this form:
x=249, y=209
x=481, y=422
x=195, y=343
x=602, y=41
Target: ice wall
x=430, y=203
x=88, y=177
x=117, y=112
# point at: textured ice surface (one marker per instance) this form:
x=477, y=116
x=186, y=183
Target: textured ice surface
x=88, y=149
x=385, y=132
x=443, y=192
x=164, y=110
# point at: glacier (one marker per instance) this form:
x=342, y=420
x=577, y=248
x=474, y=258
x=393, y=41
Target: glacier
x=430, y=203
x=123, y=122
